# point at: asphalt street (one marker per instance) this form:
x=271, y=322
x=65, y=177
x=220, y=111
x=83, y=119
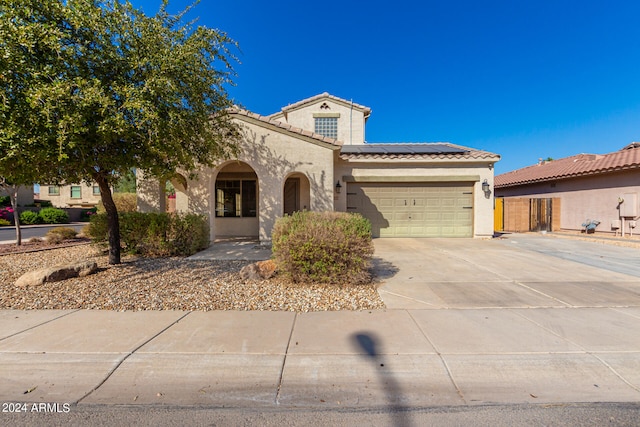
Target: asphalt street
x=8, y=233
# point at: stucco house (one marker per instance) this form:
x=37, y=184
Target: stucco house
x=598, y=187
x=312, y=155
x=71, y=195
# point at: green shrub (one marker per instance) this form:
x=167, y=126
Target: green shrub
x=29, y=218
x=4, y=222
x=5, y=201
x=125, y=202
x=323, y=247
x=97, y=230
x=155, y=234
x=53, y=216
x=86, y=214
x=60, y=234
x=189, y=233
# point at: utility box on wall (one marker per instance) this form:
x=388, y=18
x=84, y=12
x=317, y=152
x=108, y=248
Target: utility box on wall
x=629, y=205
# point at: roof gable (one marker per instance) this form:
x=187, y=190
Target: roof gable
x=317, y=99
x=573, y=166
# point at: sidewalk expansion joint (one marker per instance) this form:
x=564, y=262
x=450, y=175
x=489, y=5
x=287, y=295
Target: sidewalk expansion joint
x=591, y=353
x=541, y=293
x=406, y=297
x=616, y=373
x=127, y=355
x=40, y=324
x=284, y=360
x=442, y=360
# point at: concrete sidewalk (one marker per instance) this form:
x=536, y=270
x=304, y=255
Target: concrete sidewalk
x=469, y=322
x=388, y=358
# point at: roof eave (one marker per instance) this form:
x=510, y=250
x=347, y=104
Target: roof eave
x=569, y=176
x=265, y=122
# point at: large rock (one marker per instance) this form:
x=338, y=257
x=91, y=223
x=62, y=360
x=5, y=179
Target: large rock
x=55, y=274
x=261, y=270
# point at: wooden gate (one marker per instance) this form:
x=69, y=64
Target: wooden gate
x=520, y=214
x=540, y=211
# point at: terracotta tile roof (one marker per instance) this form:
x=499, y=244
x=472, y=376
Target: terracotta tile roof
x=244, y=114
x=460, y=153
x=325, y=95
x=574, y=166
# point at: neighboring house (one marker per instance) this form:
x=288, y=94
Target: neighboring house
x=25, y=195
x=600, y=187
x=312, y=155
x=73, y=195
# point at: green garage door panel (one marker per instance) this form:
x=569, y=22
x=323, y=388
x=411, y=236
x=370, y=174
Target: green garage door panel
x=414, y=210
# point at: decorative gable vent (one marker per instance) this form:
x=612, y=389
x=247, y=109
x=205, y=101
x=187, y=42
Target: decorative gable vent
x=325, y=106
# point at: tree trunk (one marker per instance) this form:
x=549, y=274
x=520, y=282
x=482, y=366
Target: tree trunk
x=113, y=221
x=13, y=195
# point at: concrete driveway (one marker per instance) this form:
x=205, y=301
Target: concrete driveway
x=516, y=271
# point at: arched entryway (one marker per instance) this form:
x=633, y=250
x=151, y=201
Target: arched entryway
x=296, y=194
x=175, y=193
x=236, y=201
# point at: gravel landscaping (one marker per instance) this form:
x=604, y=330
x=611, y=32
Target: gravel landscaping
x=167, y=284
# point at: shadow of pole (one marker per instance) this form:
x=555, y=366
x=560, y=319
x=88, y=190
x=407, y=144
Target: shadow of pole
x=398, y=412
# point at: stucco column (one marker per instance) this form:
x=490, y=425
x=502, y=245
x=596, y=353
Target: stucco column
x=149, y=193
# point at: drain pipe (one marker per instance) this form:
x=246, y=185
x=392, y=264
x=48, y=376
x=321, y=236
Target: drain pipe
x=351, y=123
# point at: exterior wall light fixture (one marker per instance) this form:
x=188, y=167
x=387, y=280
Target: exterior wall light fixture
x=486, y=188
x=338, y=187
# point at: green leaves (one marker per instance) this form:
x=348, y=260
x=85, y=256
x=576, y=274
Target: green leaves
x=114, y=88
x=92, y=88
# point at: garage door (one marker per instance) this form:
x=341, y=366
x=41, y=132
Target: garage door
x=414, y=210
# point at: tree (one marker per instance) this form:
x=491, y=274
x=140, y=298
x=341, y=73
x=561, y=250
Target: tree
x=127, y=182
x=27, y=145
x=118, y=90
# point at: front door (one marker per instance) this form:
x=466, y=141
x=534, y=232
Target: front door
x=291, y=196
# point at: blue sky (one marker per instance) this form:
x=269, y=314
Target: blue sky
x=526, y=80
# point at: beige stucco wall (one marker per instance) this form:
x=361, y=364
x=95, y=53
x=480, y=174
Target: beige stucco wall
x=445, y=171
x=273, y=155
x=351, y=123
x=594, y=197
x=64, y=199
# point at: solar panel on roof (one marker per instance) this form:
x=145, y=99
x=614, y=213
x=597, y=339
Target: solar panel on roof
x=401, y=149
x=397, y=149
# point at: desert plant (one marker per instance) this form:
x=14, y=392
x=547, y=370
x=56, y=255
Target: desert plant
x=323, y=247
x=54, y=238
x=53, y=216
x=125, y=202
x=29, y=218
x=65, y=233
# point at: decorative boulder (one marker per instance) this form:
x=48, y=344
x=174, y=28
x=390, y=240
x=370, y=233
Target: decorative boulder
x=55, y=274
x=261, y=270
